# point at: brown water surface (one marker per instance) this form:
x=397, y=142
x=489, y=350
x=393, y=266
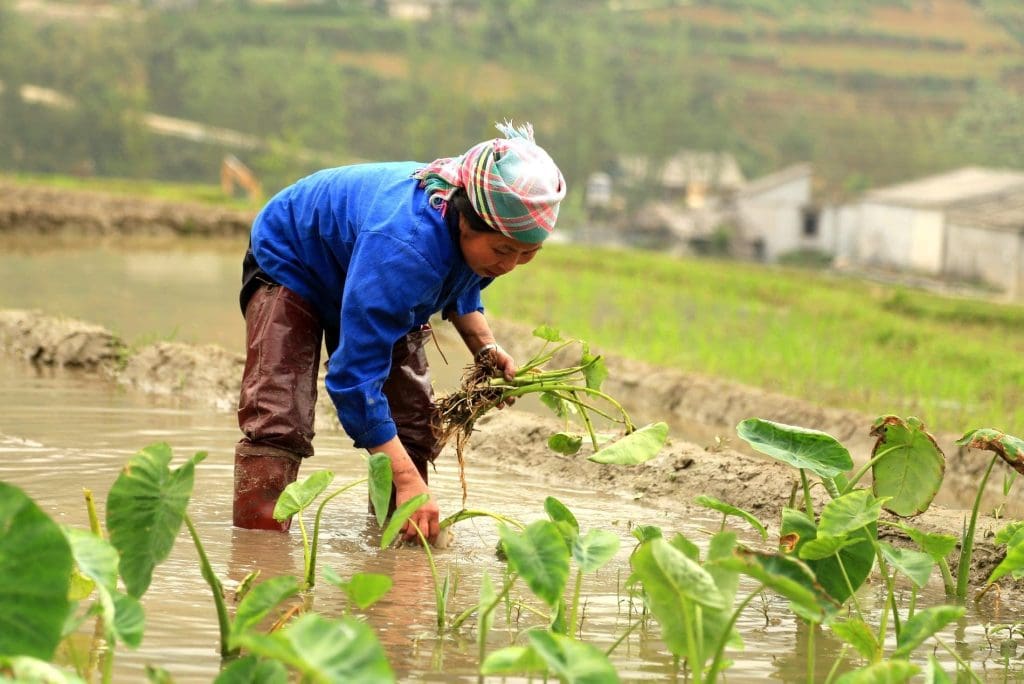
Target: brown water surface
x=61, y=432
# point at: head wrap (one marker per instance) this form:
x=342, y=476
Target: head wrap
x=512, y=183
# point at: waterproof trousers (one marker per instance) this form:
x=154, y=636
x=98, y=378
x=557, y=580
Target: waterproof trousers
x=278, y=400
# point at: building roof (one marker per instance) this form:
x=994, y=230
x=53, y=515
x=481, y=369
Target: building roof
x=945, y=190
x=1001, y=211
x=776, y=179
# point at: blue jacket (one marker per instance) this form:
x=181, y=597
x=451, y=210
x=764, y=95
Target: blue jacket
x=363, y=246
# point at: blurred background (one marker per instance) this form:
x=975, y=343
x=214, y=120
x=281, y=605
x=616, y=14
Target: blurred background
x=646, y=97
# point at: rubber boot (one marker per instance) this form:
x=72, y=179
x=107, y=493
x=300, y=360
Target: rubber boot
x=259, y=481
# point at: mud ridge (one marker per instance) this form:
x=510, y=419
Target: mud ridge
x=516, y=440
x=40, y=211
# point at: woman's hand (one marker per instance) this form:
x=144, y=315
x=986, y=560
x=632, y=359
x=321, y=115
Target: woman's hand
x=502, y=362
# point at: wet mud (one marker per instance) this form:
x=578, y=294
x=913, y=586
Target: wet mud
x=515, y=440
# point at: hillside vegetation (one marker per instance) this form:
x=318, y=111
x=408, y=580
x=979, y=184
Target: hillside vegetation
x=870, y=91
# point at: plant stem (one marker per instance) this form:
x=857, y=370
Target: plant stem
x=463, y=616
x=849, y=585
x=716, y=663
x=438, y=593
x=629, y=630
x=867, y=466
x=588, y=423
x=960, y=661
x=215, y=586
x=811, y=627
x=311, y=556
x=575, y=602
x=94, y=519
x=693, y=655
x=963, y=569
x=836, y=664
x=808, y=504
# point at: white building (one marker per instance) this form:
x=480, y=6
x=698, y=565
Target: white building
x=966, y=224
x=777, y=215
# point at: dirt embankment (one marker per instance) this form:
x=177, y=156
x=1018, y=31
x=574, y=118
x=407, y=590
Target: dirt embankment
x=516, y=440
x=37, y=211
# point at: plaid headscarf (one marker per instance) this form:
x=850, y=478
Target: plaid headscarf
x=512, y=183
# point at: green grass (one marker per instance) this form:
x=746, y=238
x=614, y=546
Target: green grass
x=956, y=364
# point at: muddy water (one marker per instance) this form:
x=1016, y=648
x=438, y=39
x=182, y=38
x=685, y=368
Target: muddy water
x=60, y=432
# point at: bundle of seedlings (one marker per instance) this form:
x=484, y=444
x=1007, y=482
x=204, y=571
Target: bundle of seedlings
x=571, y=392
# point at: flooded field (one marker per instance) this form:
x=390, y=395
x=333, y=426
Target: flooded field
x=61, y=432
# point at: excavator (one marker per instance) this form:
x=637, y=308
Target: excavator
x=235, y=174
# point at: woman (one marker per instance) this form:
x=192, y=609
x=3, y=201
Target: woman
x=362, y=256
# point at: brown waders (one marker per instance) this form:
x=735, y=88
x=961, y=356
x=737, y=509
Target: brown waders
x=278, y=401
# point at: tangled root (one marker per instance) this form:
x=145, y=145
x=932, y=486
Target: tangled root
x=456, y=413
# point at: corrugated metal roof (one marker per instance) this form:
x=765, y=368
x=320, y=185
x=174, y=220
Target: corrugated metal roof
x=947, y=189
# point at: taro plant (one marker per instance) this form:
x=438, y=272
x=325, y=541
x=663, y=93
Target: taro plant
x=542, y=555
x=146, y=508
x=840, y=543
x=1003, y=446
x=571, y=391
x=300, y=495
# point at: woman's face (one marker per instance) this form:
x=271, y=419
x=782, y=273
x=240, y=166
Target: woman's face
x=492, y=254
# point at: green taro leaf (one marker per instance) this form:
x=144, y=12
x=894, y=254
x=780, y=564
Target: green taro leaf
x=915, y=565
x=594, y=549
x=934, y=674
x=400, y=516
x=912, y=467
x=886, y=672
x=145, y=510
x=513, y=660
x=129, y=621
x=29, y=670
x=728, y=509
x=858, y=560
x=35, y=575
x=298, y=496
x=595, y=372
x=799, y=447
x=260, y=601
x=857, y=633
x=381, y=479
x=849, y=513
x=635, y=448
x=540, y=556
x=646, y=532
x=936, y=545
x=672, y=583
x=558, y=405
x=1012, y=562
x=924, y=624
x=823, y=547
x=252, y=670
x=485, y=620
x=565, y=443
x=364, y=589
x=547, y=333
x=325, y=650
x=789, y=578
x=1009, y=448
x=96, y=558
x=559, y=512
x=572, y=661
